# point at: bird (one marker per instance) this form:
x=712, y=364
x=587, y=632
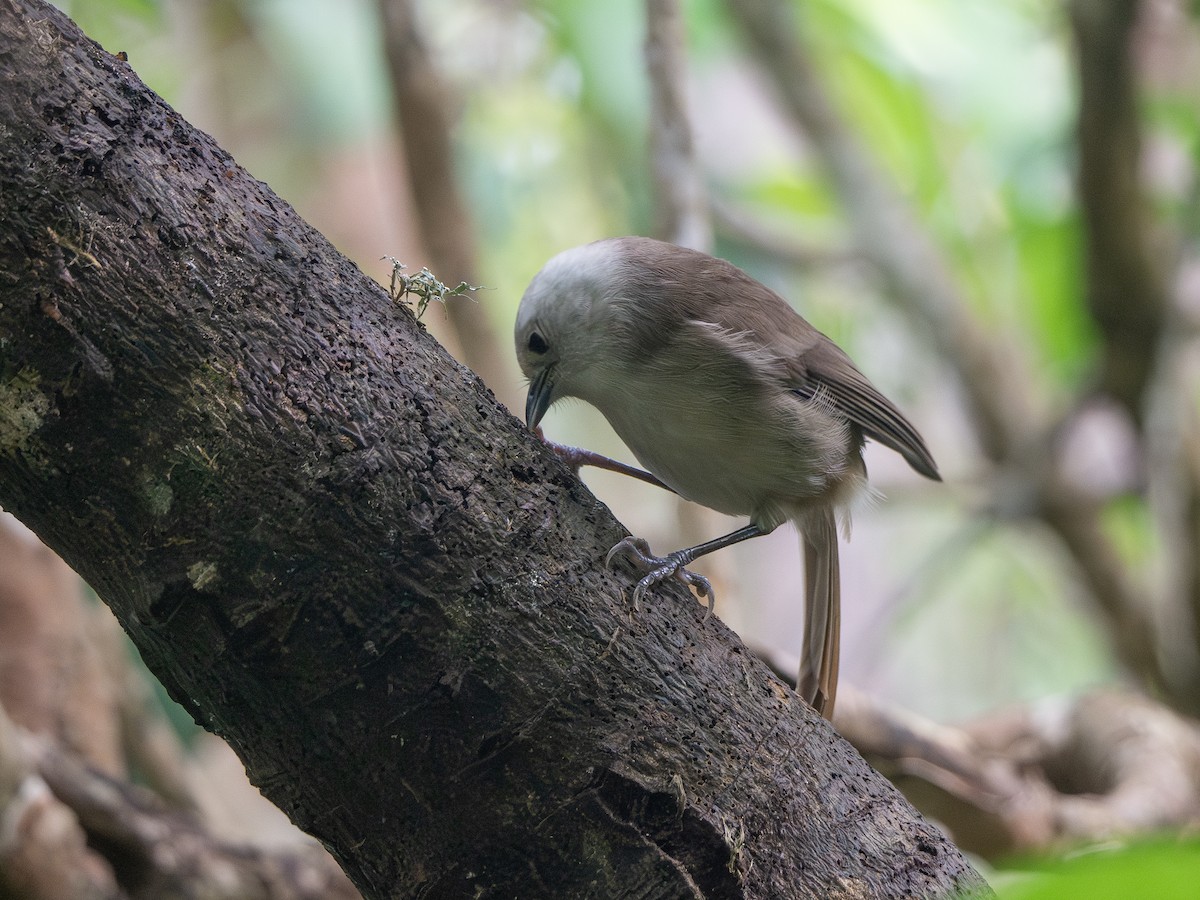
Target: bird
x=726, y=395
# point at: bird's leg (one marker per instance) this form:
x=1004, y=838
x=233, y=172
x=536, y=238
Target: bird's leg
x=660, y=568
x=575, y=457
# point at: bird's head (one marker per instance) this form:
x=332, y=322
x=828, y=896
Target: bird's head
x=562, y=325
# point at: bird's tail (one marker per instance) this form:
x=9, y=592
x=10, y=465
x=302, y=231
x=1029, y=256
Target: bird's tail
x=822, y=612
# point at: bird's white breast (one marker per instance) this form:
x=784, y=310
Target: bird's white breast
x=748, y=452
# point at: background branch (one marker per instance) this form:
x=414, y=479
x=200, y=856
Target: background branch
x=1125, y=290
x=78, y=833
x=1011, y=428
x=680, y=195
x=1035, y=777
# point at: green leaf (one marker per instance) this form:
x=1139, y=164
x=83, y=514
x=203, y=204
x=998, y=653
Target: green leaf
x=1163, y=870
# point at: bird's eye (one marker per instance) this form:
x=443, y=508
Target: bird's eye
x=537, y=344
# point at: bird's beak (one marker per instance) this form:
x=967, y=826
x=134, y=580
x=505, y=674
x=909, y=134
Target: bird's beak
x=541, y=391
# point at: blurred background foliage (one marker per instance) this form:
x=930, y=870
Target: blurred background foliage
x=957, y=602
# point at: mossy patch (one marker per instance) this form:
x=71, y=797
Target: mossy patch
x=23, y=409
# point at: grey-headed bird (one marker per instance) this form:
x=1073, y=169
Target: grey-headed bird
x=726, y=395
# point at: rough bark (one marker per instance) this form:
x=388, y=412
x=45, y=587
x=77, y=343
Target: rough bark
x=334, y=547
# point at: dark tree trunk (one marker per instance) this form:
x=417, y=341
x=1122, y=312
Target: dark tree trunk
x=344, y=557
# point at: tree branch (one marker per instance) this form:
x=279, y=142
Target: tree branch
x=341, y=555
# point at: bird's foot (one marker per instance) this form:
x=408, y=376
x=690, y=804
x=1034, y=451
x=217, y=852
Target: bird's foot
x=658, y=569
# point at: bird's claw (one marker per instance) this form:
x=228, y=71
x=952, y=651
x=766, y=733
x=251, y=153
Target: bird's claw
x=658, y=569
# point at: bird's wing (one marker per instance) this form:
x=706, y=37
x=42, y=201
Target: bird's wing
x=829, y=371
x=754, y=332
